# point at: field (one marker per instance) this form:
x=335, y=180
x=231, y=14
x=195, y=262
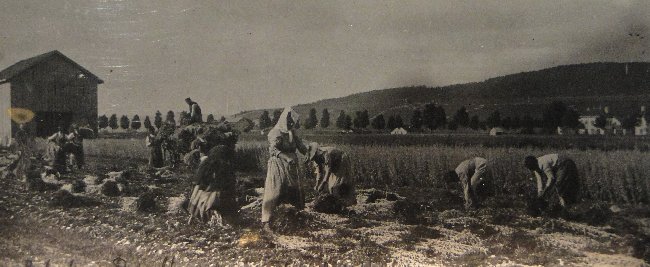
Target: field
x=617, y=176
x=581, y=142
x=407, y=215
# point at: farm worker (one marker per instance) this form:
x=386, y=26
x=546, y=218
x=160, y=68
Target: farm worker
x=200, y=144
x=23, y=144
x=155, y=149
x=332, y=169
x=57, y=152
x=198, y=151
x=561, y=174
x=470, y=173
x=214, y=185
x=282, y=178
x=195, y=111
x=75, y=145
x=58, y=137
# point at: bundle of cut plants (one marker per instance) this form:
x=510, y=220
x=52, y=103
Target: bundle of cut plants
x=211, y=134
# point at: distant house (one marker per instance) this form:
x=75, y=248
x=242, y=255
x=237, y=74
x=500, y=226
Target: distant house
x=612, y=124
x=399, y=131
x=589, y=122
x=642, y=128
x=497, y=131
x=58, y=90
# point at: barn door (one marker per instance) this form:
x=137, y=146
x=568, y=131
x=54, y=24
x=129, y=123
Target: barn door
x=47, y=123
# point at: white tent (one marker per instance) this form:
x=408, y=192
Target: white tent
x=400, y=131
x=496, y=131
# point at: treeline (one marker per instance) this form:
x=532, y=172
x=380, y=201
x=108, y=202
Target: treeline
x=112, y=122
x=434, y=117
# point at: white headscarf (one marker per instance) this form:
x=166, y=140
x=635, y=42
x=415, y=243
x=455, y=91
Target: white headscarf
x=281, y=125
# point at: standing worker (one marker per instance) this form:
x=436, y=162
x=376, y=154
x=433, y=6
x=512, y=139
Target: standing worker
x=58, y=153
x=195, y=111
x=561, y=174
x=155, y=149
x=332, y=169
x=24, y=145
x=282, y=178
x=75, y=145
x=470, y=173
x=24, y=142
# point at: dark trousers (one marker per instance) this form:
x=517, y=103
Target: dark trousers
x=61, y=156
x=567, y=184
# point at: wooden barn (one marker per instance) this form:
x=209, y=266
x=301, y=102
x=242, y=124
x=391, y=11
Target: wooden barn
x=57, y=89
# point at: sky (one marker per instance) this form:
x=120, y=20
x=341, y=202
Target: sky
x=231, y=56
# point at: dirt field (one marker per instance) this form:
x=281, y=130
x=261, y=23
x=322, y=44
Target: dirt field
x=402, y=227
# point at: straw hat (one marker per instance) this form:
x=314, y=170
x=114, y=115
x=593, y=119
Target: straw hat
x=20, y=115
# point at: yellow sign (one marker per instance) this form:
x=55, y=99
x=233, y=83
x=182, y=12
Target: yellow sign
x=20, y=115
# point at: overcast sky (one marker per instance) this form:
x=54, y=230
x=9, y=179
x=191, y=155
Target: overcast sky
x=239, y=55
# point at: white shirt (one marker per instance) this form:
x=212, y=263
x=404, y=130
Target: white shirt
x=478, y=164
x=547, y=164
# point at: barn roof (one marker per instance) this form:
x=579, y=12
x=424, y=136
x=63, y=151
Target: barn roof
x=26, y=64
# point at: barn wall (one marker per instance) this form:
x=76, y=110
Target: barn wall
x=5, y=121
x=55, y=86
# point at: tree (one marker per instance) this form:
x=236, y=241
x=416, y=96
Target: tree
x=494, y=120
x=112, y=122
x=265, y=120
x=571, y=119
x=361, y=119
x=348, y=122
x=135, y=122
x=461, y=118
x=553, y=114
x=399, y=123
x=434, y=117
x=147, y=123
x=102, y=122
x=210, y=118
x=157, y=120
x=416, y=119
x=601, y=121
x=365, y=119
x=325, y=119
x=357, y=119
x=170, y=118
x=452, y=125
x=391, y=124
x=276, y=116
x=428, y=116
x=185, y=117
x=124, y=122
x=311, y=120
x=440, y=117
x=378, y=122
x=474, y=123
x=507, y=123
x=340, y=120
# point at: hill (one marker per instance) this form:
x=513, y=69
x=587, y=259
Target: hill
x=623, y=87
